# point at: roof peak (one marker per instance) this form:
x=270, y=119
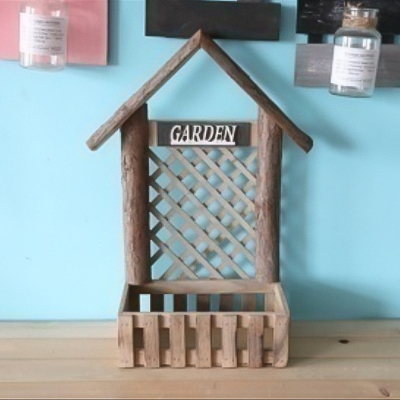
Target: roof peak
x=171, y=67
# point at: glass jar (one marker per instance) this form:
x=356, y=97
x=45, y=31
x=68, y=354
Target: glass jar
x=356, y=54
x=43, y=34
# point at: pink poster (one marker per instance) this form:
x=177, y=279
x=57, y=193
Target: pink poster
x=87, y=31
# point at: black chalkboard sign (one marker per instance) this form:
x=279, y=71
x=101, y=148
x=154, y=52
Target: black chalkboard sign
x=237, y=20
x=188, y=133
x=319, y=17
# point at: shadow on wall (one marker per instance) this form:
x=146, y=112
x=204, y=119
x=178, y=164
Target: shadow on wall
x=308, y=297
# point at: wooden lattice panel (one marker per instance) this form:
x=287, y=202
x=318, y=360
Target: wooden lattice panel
x=202, y=221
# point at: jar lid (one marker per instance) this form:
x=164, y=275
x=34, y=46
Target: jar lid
x=356, y=17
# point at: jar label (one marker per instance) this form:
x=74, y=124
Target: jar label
x=354, y=67
x=42, y=35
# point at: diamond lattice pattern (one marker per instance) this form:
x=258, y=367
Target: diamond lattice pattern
x=202, y=213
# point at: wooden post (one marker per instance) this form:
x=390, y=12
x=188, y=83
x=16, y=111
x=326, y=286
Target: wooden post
x=267, y=203
x=135, y=175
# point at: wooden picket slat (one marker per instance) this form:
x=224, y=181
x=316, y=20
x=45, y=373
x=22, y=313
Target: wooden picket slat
x=229, y=330
x=280, y=345
x=151, y=341
x=177, y=341
x=125, y=342
x=203, y=341
x=255, y=341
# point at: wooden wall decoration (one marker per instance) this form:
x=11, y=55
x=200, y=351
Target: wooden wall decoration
x=201, y=233
x=319, y=18
x=240, y=20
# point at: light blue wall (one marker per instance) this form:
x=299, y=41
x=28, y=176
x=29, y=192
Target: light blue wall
x=60, y=205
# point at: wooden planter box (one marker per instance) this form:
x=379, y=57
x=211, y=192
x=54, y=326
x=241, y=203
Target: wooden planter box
x=226, y=330
x=195, y=220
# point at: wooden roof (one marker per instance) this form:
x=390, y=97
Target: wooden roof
x=199, y=40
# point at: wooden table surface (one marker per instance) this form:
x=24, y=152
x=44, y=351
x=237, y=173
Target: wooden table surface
x=353, y=359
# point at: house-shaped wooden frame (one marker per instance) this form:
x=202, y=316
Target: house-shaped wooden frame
x=216, y=340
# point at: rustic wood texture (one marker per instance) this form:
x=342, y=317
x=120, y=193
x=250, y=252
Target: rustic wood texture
x=135, y=172
x=314, y=63
x=177, y=341
x=229, y=332
x=216, y=317
x=224, y=20
x=357, y=331
x=267, y=202
x=125, y=342
x=225, y=286
x=281, y=341
x=255, y=92
x=279, y=300
x=198, y=40
x=255, y=341
x=325, y=16
x=49, y=360
x=145, y=92
x=213, y=332
x=203, y=341
x=151, y=341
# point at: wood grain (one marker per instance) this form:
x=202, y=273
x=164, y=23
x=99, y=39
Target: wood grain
x=151, y=342
x=229, y=331
x=198, y=40
x=224, y=20
x=145, y=92
x=255, y=92
x=276, y=389
x=203, y=341
x=255, y=341
x=135, y=173
x=125, y=342
x=78, y=359
x=43, y=330
x=225, y=286
x=280, y=345
x=267, y=202
x=177, y=341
